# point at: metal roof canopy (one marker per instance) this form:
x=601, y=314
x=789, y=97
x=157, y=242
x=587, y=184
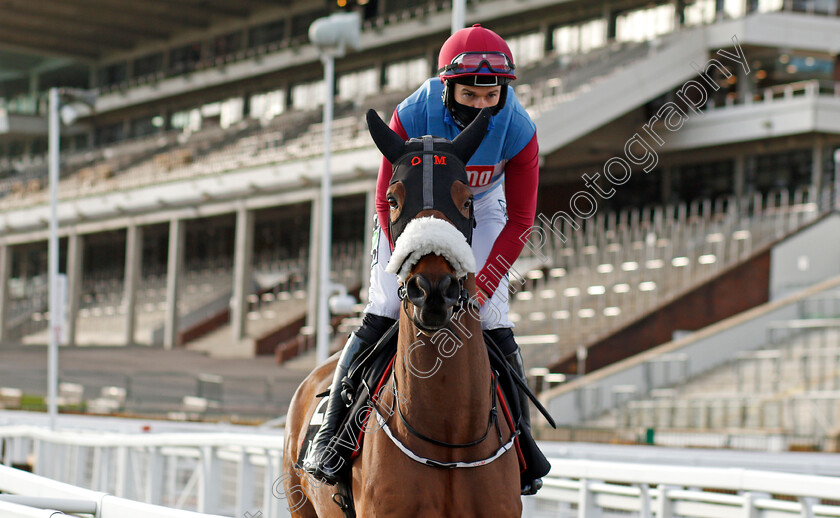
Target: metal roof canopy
x=88, y=30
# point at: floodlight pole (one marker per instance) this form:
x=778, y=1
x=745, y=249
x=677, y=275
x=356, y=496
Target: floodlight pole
x=322, y=347
x=458, y=14
x=55, y=294
x=836, y=203
x=332, y=35
x=52, y=259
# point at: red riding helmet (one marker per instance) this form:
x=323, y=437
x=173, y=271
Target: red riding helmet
x=476, y=51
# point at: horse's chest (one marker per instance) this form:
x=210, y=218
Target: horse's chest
x=413, y=490
x=409, y=500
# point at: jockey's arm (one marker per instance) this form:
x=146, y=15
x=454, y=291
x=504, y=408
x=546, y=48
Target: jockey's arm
x=384, y=179
x=521, y=182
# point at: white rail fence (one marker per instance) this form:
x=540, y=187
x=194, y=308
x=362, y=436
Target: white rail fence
x=234, y=474
x=35, y=496
x=587, y=489
x=225, y=473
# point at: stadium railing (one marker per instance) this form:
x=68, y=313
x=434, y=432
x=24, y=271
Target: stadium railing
x=233, y=474
x=586, y=488
x=26, y=500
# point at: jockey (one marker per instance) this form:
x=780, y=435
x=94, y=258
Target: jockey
x=475, y=66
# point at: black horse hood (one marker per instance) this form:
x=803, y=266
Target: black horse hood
x=429, y=165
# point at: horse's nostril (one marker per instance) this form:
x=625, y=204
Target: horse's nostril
x=450, y=289
x=444, y=283
x=416, y=289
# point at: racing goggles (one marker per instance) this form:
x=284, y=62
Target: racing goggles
x=473, y=62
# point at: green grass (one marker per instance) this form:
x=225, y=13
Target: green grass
x=39, y=404
x=32, y=402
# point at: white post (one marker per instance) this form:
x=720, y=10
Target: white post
x=370, y=211
x=332, y=34
x=133, y=266
x=75, y=256
x=5, y=272
x=313, y=266
x=209, y=483
x=586, y=500
x=52, y=352
x=323, y=343
x=243, y=256
x=836, y=201
x=245, y=483
x=175, y=262
x=154, y=476
x=458, y=14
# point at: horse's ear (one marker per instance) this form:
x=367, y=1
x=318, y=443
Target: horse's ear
x=389, y=143
x=468, y=140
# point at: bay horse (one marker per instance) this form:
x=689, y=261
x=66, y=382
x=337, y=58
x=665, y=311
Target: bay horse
x=436, y=444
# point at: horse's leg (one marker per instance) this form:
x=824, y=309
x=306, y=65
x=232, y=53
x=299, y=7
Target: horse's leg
x=301, y=494
x=294, y=494
x=296, y=499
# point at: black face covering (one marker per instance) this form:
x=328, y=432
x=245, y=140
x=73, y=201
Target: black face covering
x=463, y=114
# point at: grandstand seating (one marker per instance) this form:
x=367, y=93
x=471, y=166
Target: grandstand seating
x=767, y=379
x=291, y=135
x=791, y=386
x=205, y=291
x=297, y=134
x=614, y=269
x=638, y=260
x=619, y=266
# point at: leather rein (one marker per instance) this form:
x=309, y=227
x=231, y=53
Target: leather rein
x=493, y=418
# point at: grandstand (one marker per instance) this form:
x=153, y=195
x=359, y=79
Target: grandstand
x=691, y=302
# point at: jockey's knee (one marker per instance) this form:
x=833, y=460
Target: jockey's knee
x=503, y=336
x=373, y=327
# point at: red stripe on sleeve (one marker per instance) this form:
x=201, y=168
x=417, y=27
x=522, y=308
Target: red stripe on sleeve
x=521, y=182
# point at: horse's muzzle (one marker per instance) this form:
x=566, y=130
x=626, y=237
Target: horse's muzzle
x=433, y=299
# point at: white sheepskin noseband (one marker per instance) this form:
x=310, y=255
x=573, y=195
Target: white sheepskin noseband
x=423, y=236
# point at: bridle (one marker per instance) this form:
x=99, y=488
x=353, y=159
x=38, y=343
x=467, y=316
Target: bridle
x=415, y=163
x=464, y=301
x=491, y=420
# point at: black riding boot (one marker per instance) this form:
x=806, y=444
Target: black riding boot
x=529, y=485
x=321, y=461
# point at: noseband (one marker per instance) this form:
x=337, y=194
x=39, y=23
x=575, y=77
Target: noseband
x=464, y=301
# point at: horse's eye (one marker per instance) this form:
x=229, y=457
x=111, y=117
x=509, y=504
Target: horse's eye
x=392, y=202
x=468, y=203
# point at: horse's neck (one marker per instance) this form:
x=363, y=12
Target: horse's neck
x=445, y=389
